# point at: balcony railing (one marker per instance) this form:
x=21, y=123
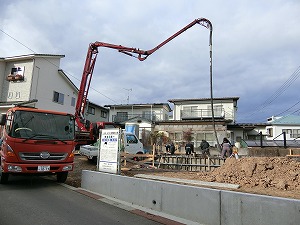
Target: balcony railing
x=122, y=118
x=201, y=114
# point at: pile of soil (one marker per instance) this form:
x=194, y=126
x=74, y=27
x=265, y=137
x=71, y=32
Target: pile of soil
x=274, y=176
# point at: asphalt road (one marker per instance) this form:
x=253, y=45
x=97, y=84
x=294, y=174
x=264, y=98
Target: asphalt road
x=42, y=201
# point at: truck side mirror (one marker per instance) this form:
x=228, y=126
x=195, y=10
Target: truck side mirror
x=2, y=119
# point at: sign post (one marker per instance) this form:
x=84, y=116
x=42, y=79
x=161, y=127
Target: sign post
x=109, y=151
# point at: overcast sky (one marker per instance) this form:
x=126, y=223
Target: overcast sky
x=256, y=49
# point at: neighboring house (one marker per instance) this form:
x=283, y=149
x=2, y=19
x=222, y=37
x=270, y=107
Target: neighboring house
x=194, y=116
x=276, y=126
x=38, y=76
x=144, y=115
x=270, y=133
x=96, y=113
x=150, y=111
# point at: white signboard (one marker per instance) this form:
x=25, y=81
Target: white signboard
x=109, y=151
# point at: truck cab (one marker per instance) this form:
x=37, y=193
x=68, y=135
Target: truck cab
x=35, y=141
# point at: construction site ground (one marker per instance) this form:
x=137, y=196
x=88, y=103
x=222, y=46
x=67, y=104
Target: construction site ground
x=273, y=176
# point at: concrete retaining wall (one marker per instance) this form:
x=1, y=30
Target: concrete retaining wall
x=201, y=205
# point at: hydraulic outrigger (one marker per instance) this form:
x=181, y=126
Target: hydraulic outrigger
x=141, y=55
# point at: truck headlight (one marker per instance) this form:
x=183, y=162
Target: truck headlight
x=12, y=168
x=67, y=168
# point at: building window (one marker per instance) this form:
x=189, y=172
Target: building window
x=103, y=114
x=292, y=133
x=296, y=133
x=209, y=137
x=58, y=97
x=270, y=132
x=16, y=74
x=91, y=110
x=190, y=112
x=122, y=116
x=148, y=115
x=218, y=111
x=73, y=101
x=288, y=132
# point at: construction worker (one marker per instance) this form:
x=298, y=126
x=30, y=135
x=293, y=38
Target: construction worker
x=205, y=148
x=189, y=148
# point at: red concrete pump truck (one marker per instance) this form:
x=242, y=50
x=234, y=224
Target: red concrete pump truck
x=87, y=132
x=35, y=141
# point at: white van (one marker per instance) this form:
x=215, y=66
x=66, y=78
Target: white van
x=132, y=144
x=129, y=142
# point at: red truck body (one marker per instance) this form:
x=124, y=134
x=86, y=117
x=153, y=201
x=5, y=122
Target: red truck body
x=35, y=141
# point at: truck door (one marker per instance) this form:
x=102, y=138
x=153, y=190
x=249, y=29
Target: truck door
x=133, y=145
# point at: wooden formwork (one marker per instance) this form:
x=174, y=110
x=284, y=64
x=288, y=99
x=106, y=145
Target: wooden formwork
x=189, y=162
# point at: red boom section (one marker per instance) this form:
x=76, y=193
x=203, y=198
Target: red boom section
x=134, y=52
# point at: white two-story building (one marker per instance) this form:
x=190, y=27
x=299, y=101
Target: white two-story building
x=28, y=78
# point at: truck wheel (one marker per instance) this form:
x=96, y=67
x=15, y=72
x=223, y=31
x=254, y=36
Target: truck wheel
x=4, y=178
x=94, y=159
x=61, y=177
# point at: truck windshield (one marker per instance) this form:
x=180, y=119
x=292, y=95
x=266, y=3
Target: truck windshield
x=43, y=126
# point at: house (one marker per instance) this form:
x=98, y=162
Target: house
x=195, y=116
x=27, y=78
x=144, y=115
x=288, y=125
x=277, y=131
x=95, y=112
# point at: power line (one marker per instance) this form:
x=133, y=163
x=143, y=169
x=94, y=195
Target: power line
x=277, y=93
x=288, y=108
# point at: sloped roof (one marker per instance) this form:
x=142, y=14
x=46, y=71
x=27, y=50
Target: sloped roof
x=287, y=120
x=33, y=56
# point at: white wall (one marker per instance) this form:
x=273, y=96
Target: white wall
x=17, y=90
x=46, y=80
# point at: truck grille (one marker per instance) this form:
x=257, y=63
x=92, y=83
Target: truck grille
x=40, y=156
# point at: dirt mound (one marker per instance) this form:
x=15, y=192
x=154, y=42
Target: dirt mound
x=275, y=176
x=265, y=172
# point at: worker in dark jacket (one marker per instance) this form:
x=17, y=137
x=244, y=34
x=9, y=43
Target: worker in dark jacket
x=189, y=148
x=205, y=147
x=172, y=148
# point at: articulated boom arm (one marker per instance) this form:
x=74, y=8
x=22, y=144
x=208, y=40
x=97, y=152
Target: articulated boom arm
x=133, y=52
